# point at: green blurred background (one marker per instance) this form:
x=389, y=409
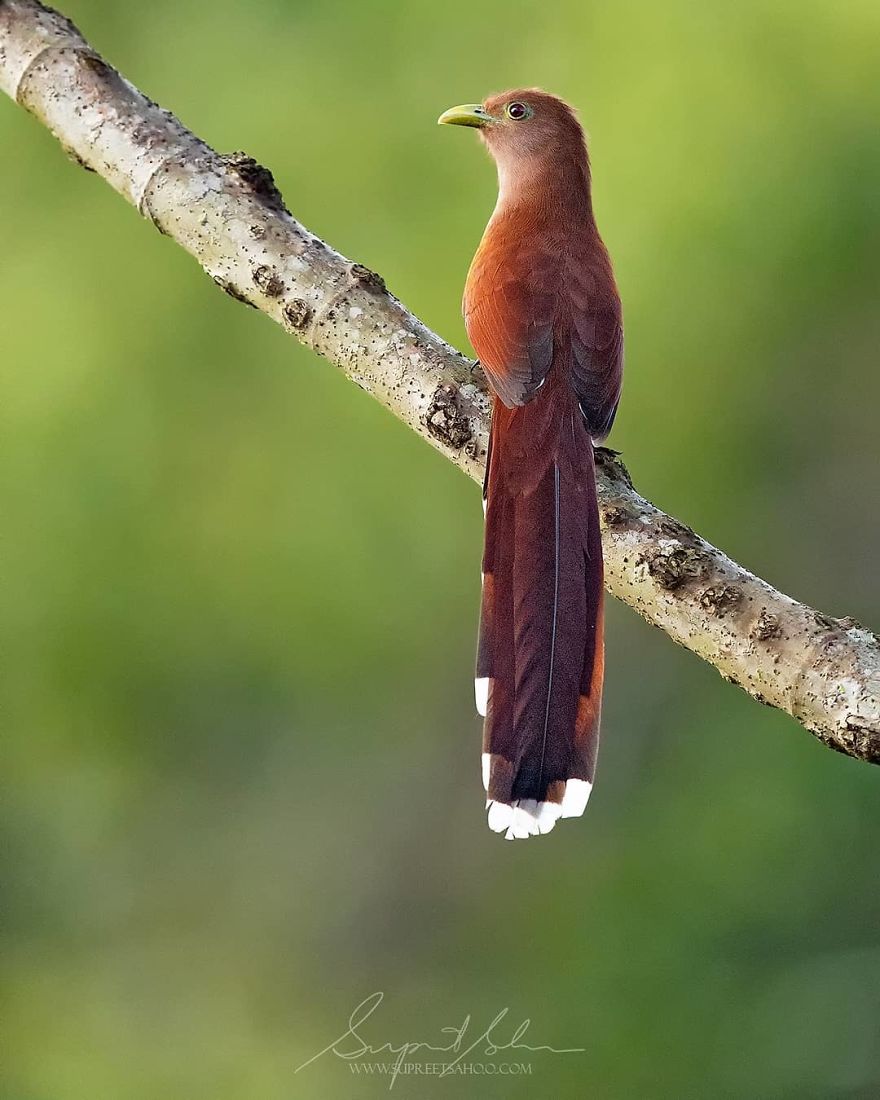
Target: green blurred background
x=241, y=785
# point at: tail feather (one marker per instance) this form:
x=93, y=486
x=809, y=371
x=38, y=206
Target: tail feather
x=540, y=655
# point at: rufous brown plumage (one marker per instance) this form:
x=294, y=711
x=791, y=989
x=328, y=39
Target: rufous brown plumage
x=543, y=314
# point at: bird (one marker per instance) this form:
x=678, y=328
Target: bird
x=543, y=314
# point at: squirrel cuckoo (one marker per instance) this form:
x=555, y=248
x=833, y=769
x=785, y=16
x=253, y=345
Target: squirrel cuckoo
x=543, y=314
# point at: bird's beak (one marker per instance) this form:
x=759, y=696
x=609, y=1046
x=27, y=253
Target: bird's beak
x=468, y=114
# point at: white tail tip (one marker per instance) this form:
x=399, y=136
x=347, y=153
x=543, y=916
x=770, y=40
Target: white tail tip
x=481, y=694
x=527, y=817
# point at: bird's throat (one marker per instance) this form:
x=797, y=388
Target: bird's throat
x=538, y=184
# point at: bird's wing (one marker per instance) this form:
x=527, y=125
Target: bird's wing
x=509, y=313
x=596, y=346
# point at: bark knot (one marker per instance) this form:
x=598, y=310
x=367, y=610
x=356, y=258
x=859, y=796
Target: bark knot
x=614, y=516
x=609, y=462
x=268, y=281
x=297, y=313
x=445, y=419
x=671, y=566
x=766, y=627
x=363, y=276
x=864, y=739
x=719, y=599
x=258, y=179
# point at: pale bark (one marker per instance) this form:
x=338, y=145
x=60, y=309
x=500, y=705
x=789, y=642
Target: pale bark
x=226, y=211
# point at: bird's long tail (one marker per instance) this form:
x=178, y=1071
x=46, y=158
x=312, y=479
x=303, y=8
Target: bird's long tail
x=540, y=657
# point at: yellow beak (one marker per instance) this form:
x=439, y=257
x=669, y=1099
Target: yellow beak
x=468, y=114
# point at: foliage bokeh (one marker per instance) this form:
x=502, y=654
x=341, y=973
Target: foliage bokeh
x=241, y=785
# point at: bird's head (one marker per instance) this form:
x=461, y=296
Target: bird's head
x=522, y=129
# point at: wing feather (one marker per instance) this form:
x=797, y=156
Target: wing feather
x=509, y=315
x=596, y=345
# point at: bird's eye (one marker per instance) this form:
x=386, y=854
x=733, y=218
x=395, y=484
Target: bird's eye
x=517, y=111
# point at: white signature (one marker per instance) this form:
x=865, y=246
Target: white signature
x=350, y=1047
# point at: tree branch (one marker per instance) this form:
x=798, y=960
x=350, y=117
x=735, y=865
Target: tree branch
x=226, y=211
